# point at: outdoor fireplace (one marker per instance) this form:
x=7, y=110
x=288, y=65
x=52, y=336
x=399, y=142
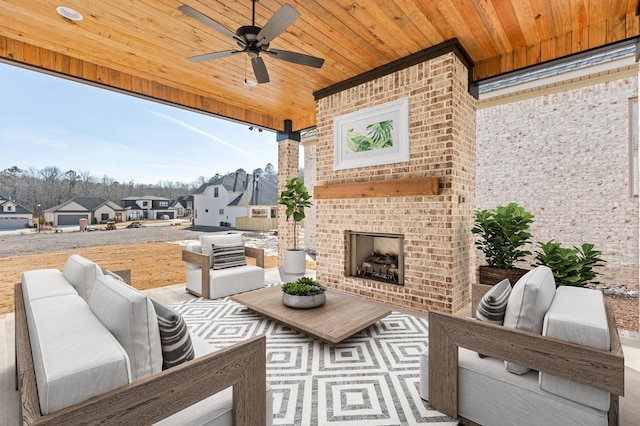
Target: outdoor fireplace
x=376, y=256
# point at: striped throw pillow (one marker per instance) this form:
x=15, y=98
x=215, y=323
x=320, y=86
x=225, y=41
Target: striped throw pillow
x=174, y=336
x=494, y=304
x=227, y=256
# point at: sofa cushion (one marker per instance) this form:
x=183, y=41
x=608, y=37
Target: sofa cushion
x=81, y=273
x=577, y=315
x=528, y=302
x=43, y=283
x=74, y=356
x=130, y=317
x=227, y=256
x=174, y=336
x=207, y=242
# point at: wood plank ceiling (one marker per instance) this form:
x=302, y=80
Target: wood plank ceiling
x=141, y=46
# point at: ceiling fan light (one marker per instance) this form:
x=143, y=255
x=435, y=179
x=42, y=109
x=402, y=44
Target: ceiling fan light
x=250, y=83
x=67, y=12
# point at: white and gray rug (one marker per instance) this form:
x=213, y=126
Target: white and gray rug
x=369, y=379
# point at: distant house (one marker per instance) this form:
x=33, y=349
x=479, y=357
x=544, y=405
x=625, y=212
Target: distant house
x=148, y=207
x=183, y=205
x=94, y=209
x=220, y=202
x=13, y=215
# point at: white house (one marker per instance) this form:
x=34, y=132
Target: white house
x=13, y=215
x=94, y=209
x=220, y=202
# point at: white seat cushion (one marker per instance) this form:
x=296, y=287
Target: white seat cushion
x=44, y=283
x=130, y=317
x=74, y=356
x=577, y=315
x=225, y=282
x=81, y=273
x=528, y=302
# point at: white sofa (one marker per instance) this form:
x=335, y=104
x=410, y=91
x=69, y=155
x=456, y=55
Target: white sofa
x=206, y=280
x=88, y=348
x=566, y=336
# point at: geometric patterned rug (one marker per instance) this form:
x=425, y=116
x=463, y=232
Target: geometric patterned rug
x=369, y=379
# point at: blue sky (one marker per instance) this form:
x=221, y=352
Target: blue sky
x=51, y=121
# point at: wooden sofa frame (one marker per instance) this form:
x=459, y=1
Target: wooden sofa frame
x=202, y=260
x=151, y=399
x=594, y=367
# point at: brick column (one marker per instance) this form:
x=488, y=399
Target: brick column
x=288, y=166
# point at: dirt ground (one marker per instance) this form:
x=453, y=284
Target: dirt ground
x=153, y=255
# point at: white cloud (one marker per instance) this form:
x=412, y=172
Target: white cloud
x=200, y=131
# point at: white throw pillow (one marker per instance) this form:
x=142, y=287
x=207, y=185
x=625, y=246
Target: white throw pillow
x=81, y=274
x=528, y=302
x=130, y=317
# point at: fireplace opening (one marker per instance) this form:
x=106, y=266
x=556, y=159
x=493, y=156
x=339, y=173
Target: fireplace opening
x=376, y=256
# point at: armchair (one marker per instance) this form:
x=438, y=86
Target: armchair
x=209, y=283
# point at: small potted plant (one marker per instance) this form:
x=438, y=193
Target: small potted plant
x=570, y=266
x=303, y=293
x=502, y=233
x=295, y=198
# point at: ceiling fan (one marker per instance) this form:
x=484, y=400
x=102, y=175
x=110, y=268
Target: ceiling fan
x=255, y=40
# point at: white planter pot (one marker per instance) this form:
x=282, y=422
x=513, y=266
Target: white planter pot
x=303, y=302
x=295, y=261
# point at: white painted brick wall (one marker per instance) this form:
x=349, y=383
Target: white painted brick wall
x=565, y=158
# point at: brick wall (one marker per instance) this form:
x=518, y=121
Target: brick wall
x=288, y=164
x=439, y=253
x=310, y=182
x=565, y=157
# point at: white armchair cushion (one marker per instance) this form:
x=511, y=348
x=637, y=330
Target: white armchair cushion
x=528, y=302
x=81, y=273
x=130, y=317
x=577, y=315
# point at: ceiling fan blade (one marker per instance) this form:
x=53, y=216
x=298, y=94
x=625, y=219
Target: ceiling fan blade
x=204, y=19
x=296, y=58
x=214, y=55
x=279, y=22
x=260, y=70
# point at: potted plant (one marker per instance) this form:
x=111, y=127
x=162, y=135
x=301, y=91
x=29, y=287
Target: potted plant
x=502, y=233
x=303, y=293
x=295, y=198
x=570, y=266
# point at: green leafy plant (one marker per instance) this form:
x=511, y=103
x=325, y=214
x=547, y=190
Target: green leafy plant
x=295, y=198
x=503, y=233
x=303, y=286
x=570, y=266
x=378, y=136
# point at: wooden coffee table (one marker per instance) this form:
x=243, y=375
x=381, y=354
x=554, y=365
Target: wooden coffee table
x=339, y=318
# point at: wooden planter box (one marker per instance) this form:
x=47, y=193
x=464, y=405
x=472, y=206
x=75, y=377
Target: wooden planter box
x=490, y=275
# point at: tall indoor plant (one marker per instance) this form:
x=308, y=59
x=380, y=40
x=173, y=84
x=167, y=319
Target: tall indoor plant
x=295, y=198
x=502, y=234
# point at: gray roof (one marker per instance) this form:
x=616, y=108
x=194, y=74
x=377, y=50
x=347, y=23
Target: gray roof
x=145, y=197
x=262, y=193
x=543, y=71
x=89, y=203
x=20, y=209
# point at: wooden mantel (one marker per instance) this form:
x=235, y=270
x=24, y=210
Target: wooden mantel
x=385, y=188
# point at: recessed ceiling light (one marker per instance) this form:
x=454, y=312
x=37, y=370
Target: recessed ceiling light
x=250, y=83
x=67, y=12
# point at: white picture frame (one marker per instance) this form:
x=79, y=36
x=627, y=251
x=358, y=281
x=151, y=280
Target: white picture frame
x=362, y=139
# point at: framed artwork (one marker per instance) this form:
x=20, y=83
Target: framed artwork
x=373, y=136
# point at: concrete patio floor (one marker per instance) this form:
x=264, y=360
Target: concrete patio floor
x=9, y=400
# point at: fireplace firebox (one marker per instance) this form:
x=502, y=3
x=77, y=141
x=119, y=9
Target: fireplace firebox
x=376, y=256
